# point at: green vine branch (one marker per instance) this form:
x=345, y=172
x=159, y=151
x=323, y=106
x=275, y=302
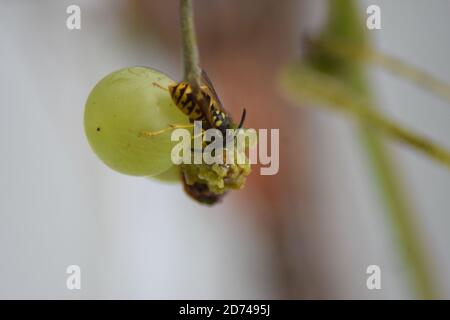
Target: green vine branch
x=192, y=72
x=337, y=79
x=391, y=64
x=331, y=93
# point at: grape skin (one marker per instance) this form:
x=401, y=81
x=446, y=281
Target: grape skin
x=120, y=106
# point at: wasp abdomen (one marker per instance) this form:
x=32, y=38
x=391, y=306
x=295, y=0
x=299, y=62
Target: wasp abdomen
x=183, y=98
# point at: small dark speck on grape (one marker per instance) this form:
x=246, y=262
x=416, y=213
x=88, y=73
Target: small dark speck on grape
x=98, y=129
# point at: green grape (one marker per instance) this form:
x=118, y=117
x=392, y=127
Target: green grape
x=169, y=176
x=123, y=104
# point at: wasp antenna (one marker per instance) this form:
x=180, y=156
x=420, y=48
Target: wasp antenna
x=241, y=123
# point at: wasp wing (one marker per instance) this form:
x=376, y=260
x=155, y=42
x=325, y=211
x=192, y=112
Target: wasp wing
x=212, y=91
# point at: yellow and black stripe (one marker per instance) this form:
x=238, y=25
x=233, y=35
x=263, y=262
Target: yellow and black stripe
x=183, y=98
x=219, y=118
x=204, y=106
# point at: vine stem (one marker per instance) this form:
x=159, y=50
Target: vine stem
x=192, y=72
x=321, y=88
x=329, y=93
x=391, y=64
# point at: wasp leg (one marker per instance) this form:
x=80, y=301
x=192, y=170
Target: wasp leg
x=155, y=84
x=146, y=134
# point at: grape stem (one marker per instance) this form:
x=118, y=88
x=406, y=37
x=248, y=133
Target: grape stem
x=192, y=72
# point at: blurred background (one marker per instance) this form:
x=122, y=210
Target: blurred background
x=308, y=232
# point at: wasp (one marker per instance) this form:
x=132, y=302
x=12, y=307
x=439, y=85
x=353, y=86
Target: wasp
x=204, y=106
